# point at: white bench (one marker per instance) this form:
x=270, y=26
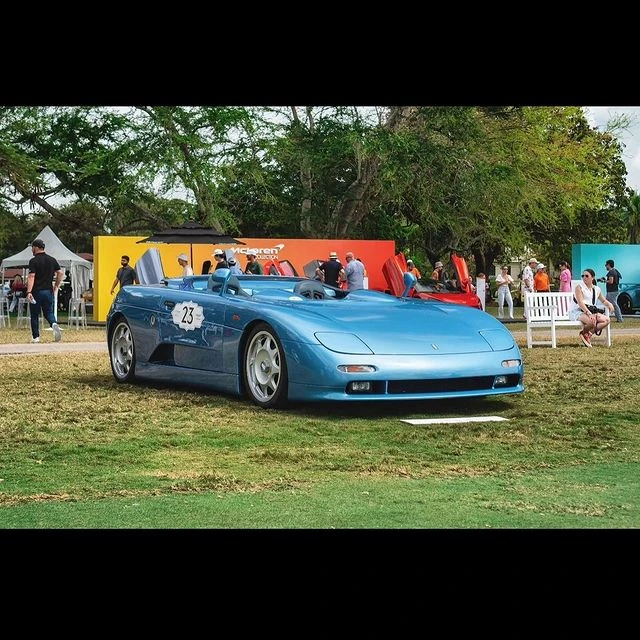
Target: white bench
x=550, y=310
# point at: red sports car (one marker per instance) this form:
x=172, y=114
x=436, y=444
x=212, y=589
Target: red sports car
x=456, y=286
x=275, y=267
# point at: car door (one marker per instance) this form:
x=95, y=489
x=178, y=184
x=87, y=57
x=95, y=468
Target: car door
x=192, y=321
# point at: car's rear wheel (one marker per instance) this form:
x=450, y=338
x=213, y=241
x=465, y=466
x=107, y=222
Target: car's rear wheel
x=265, y=368
x=625, y=304
x=122, y=352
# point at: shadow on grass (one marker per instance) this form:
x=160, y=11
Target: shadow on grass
x=459, y=407
x=344, y=409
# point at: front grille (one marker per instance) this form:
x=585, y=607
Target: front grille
x=476, y=383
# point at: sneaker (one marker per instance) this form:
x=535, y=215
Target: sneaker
x=57, y=334
x=585, y=336
x=35, y=339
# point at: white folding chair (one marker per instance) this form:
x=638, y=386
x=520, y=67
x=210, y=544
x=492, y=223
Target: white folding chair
x=77, y=313
x=5, y=318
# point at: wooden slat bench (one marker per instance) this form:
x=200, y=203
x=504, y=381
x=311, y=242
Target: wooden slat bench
x=551, y=311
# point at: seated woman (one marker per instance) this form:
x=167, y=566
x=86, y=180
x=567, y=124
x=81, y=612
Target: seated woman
x=18, y=290
x=585, y=294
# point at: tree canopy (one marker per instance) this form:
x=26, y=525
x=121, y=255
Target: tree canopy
x=492, y=182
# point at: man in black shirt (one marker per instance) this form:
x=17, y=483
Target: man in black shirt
x=331, y=270
x=613, y=279
x=221, y=260
x=40, y=290
x=125, y=275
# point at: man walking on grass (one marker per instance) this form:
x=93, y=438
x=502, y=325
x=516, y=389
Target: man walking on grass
x=41, y=289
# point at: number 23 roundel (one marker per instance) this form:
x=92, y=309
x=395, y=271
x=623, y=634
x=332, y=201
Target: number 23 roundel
x=188, y=315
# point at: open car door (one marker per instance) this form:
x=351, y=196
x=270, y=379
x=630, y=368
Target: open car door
x=275, y=267
x=310, y=268
x=456, y=289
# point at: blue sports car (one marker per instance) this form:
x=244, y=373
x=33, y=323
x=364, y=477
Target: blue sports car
x=280, y=339
x=629, y=298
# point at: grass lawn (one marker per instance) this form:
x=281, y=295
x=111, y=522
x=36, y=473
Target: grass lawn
x=79, y=451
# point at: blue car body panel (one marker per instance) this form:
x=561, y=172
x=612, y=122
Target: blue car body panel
x=629, y=297
x=418, y=349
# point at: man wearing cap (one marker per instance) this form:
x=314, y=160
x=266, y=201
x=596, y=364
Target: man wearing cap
x=331, y=271
x=541, y=279
x=253, y=266
x=528, y=283
x=183, y=261
x=43, y=269
x=221, y=261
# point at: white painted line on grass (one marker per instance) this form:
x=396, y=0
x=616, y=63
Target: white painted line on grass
x=455, y=420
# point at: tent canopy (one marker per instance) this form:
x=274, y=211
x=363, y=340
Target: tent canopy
x=191, y=233
x=79, y=268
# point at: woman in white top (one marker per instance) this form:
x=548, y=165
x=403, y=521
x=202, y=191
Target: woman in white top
x=504, y=282
x=587, y=293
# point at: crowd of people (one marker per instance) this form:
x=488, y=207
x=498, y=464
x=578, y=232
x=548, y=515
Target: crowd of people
x=45, y=277
x=534, y=278
x=351, y=276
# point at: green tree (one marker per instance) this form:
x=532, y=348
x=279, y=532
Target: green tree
x=489, y=181
x=630, y=215
x=51, y=157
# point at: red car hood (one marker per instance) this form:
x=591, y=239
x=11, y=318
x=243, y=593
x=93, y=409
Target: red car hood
x=394, y=268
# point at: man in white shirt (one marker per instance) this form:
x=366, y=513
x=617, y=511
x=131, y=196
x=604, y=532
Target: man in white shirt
x=183, y=261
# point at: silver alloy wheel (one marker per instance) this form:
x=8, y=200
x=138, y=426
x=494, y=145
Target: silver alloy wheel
x=122, y=351
x=263, y=367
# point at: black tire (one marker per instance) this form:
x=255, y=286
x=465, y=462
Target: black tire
x=122, y=352
x=264, y=368
x=625, y=304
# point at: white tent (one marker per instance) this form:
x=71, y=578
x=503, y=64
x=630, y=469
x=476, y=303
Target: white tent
x=79, y=268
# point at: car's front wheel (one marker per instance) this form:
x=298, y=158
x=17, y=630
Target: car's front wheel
x=265, y=368
x=625, y=304
x=122, y=352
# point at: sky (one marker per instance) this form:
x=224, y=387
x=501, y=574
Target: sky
x=599, y=116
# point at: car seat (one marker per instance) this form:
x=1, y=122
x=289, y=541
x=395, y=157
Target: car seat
x=224, y=280
x=312, y=289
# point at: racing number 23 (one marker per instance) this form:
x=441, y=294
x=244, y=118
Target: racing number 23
x=187, y=315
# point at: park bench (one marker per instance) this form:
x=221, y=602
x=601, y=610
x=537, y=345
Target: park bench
x=550, y=311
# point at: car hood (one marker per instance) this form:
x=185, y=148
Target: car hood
x=421, y=328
